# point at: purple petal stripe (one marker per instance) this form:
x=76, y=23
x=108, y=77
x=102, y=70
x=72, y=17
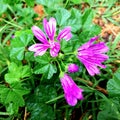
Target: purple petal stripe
x=39, y=49
x=50, y=27
x=39, y=34
x=65, y=34
x=72, y=92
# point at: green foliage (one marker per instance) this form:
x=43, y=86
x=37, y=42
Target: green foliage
x=114, y=44
x=3, y=7
x=54, y=3
x=12, y=95
x=62, y=16
x=36, y=103
x=69, y=18
x=30, y=2
x=76, y=1
x=25, y=16
x=75, y=20
x=70, y=46
x=13, y=76
x=113, y=85
x=41, y=112
x=11, y=2
x=45, y=66
x=30, y=84
x=4, y=53
x=86, y=34
x=43, y=93
x=110, y=109
x=87, y=18
x=19, y=44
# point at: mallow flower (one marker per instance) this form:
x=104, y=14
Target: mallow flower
x=92, y=55
x=47, y=39
x=72, y=92
x=73, y=68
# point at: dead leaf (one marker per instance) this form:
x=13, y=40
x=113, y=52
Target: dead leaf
x=39, y=9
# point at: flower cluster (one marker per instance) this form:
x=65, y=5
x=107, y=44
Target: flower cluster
x=90, y=54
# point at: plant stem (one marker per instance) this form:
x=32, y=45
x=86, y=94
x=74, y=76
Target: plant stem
x=4, y=113
x=66, y=3
x=12, y=24
x=104, y=91
x=61, y=96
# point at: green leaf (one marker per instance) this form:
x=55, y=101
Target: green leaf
x=41, y=112
x=16, y=73
x=71, y=45
x=45, y=93
x=114, y=43
x=48, y=70
x=113, y=85
x=48, y=3
x=92, y=31
x=76, y=1
x=13, y=94
x=74, y=20
x=30, y=2
x=3, y=8
x=87, y=18
x=109, y=110
x=17, y=52
x=44, y=66
x=26, y=15
x=11, y=2
x=62, y=16
x=29, y=56
x=4, y=55
x=45, y=59
x=36, y=103
x=25, y=36
x=19, y=44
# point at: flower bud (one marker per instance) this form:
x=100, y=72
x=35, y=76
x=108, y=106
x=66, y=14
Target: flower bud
x=73, y=68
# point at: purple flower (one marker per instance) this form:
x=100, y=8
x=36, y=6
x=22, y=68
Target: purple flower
x=13, y=36
x=92, y=55
x=71, y=90
x=73, y=68
x=50, y=30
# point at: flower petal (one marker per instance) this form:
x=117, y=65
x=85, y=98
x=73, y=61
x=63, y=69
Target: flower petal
x=50, y=27
x=55, y=48
x=88, y=44
x=71, y=100
x=77, y=92
x=71, y=90
x=90, y=66
x=39, y=49
x=39, y=34
x=99, y=47
x=65, y=34
x=92, y=55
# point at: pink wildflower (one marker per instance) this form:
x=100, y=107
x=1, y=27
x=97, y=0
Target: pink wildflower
x=50, y=30
x=92, y=55
x=73, y=68
x=72, y=92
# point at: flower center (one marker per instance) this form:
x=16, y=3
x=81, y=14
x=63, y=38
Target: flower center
x=52, y=44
